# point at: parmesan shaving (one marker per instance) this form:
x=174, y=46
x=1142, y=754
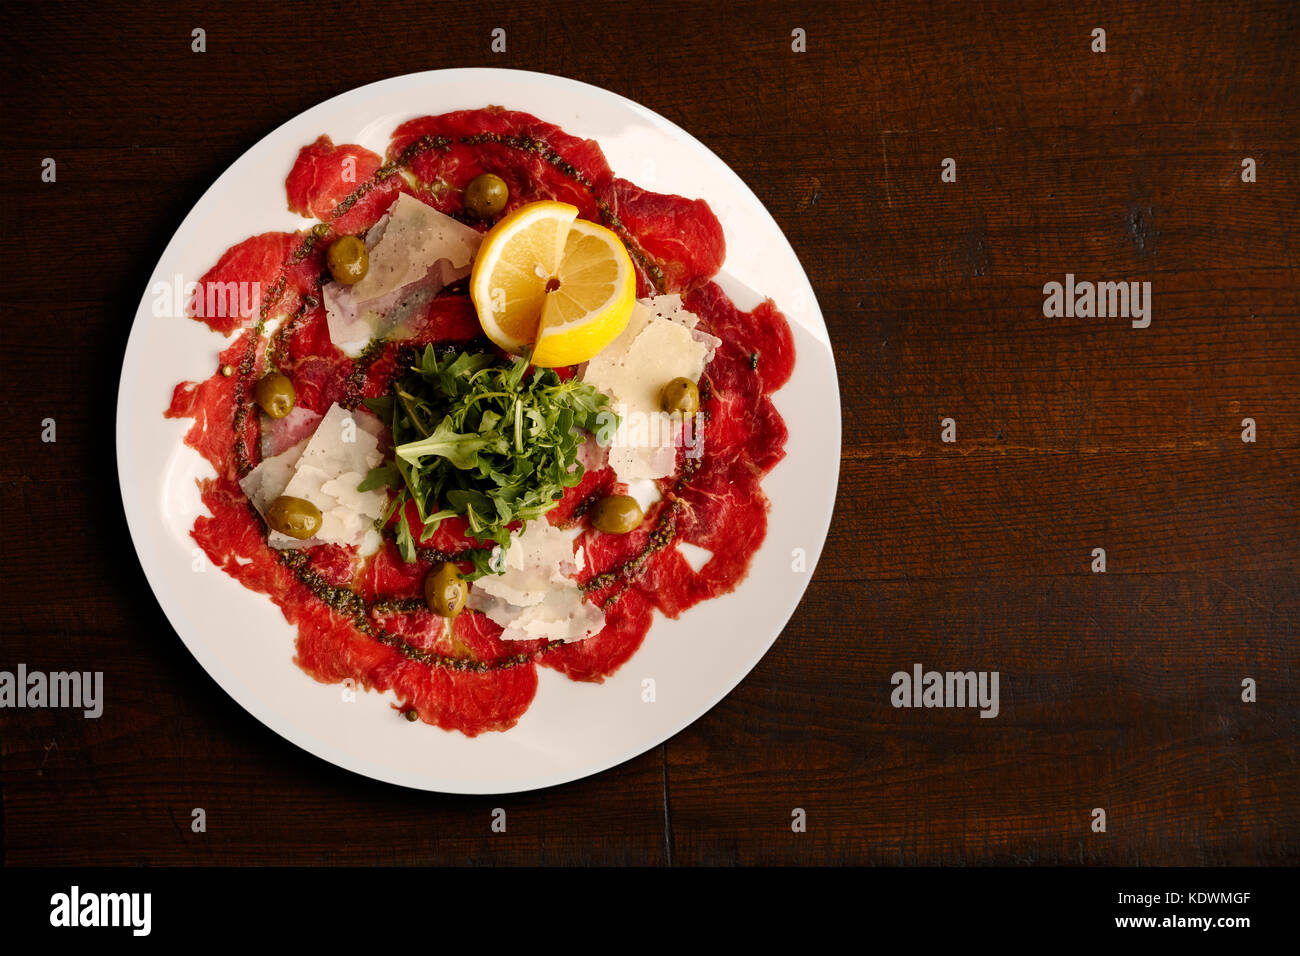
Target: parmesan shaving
x=414, y=251
x=661, y=343
x=536, y=596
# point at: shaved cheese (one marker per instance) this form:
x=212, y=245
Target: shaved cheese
x=339, y=444
x=411, y=238
x=536, y=596
x=325, y=470
x=561, y=616
x=328, y=472
x=592, y=455
x=414, y=250
x=669, y=306
x=632, y=464
x=659, y=344
x=268, y=480
x=650, y=353
x=344, y=490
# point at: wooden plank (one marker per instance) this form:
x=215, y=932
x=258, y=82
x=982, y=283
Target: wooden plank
x=1117, y=691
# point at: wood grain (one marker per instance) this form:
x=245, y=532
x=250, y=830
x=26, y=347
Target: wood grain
x=1119, y=690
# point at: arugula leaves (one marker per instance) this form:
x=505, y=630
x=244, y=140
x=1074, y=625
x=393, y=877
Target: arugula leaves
x=476, y=435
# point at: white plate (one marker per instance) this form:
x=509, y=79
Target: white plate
x=572, y=729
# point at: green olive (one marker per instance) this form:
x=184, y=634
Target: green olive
x=486, y=195
x=446, y=591
x=348, y=260
x=680, y=395
x=274, y=393
x=296, y=517
x=616, y=514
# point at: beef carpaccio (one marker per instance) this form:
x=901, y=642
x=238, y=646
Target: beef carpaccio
x=363, y=617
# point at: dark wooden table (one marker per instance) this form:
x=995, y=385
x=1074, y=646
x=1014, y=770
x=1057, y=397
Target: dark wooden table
x=1120, y=690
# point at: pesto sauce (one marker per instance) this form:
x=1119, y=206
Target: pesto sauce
x=628, y=572
x=358, y=611
x=356, y=378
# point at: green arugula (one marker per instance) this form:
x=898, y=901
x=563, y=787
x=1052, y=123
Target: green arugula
x=478, y=436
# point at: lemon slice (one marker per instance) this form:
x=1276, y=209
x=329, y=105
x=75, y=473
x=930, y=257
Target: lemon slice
x=546, y=280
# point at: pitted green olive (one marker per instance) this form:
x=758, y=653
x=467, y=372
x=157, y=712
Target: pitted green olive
x=617, y=514
x=445, y=591
x=680, y=395
x=296, y=517
x=486, y=195
x=274, y=394
x=348, y=260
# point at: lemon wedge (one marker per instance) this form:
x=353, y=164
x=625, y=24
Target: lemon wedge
x=546, y=280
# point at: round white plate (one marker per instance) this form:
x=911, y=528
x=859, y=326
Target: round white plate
x=572, y=729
